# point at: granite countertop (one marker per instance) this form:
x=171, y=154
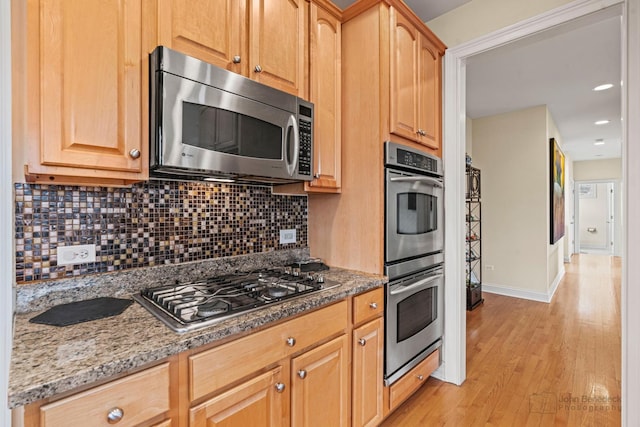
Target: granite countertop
x=47, y=360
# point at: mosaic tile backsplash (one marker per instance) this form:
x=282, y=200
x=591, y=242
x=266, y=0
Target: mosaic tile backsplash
x=151, y=223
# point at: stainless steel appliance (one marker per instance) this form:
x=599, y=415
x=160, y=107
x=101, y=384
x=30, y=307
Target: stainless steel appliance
x=414, y=243
x=210, y=123
x=187, y=306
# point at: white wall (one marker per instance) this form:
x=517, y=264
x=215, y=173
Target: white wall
x=480, y=17
x=6, y=215
x=511, y=150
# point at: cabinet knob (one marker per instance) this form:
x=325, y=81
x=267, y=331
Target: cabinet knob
x=420, y=377
x=373, y=305
x=362, y=342
x=134, y=153
x=115, y=415
x=302, y=373
x=421, y=132
x=316, y=175
x=258, y=69
x=291, y=341
x=236, y=59
x=279, y=387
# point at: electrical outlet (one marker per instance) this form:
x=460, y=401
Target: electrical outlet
x=77, y=254
x=287, y=236
x=488, y=267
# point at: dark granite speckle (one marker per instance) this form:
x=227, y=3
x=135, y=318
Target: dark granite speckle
x=48, y=360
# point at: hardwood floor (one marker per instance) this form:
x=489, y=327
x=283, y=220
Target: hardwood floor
x=536, y=364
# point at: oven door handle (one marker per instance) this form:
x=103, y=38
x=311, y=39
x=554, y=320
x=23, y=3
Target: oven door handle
x=433, y=181
x=418, y=284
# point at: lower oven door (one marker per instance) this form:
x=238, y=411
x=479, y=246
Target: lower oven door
x=414, y=312
x=414, y=215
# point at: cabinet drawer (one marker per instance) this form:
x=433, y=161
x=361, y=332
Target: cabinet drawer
x=368, y=305
x=215, y=368
x=140, y=396
x=413, y=379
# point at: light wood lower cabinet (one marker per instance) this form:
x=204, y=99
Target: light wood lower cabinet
x=320, y=386
x=367, y=371
x=130, y=401
x=256, y=402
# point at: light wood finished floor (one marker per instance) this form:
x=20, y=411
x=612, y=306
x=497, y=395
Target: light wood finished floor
x=536, y=364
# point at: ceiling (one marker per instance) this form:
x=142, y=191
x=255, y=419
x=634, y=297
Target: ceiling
x=558, y=68
x=425, y=9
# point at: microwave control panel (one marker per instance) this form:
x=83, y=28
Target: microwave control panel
x=304, y=155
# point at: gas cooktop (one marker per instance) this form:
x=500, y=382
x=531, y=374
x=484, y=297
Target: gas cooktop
x=187, y=306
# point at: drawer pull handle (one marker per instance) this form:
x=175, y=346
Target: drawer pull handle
x=373, y=305
x=279, y=387
x=115, y=415
x=291, y=341
x=420, y=377
x=362, y=342
x=302, y=373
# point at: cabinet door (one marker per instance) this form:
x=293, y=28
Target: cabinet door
x=404, y=94
x=368, y=342
x=430, y=69
x=278, y=43
x=325, y=75
x=320, y=386
x=211, y=30
x=91, y=55
x=256, y=402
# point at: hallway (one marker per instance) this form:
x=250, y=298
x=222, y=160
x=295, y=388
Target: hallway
x=536, y=364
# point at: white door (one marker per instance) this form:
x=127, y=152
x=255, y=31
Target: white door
x=594, y=230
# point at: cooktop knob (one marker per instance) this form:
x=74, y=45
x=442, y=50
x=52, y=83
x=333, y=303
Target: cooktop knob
x=296, y=272
x=320, y=278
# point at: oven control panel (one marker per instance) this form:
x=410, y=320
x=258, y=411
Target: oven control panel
x=397, y=155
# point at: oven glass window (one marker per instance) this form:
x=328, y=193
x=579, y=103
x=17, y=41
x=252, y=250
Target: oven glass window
x=417, y=213
x=215, y=129
x=416, y=313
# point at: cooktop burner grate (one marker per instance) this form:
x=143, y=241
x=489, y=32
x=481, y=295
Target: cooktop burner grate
x=188, y=306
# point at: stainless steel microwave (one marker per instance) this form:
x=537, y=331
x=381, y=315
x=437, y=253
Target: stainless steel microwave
x=208, y=123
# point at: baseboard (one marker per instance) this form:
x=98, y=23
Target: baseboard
x=525, y=294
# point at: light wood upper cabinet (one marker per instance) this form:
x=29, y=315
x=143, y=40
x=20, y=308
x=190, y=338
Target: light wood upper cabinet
x=320, y=386
x=415, y=84
x=277, y=44
x=259, y=401
x=212, y=30
x=85, y=90
x=326, y=94
x=264, y=40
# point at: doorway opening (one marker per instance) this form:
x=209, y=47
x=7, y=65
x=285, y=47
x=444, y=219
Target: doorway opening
x=596, y=223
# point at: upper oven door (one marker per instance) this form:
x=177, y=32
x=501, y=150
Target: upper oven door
x=414, y=215
x=206, y=129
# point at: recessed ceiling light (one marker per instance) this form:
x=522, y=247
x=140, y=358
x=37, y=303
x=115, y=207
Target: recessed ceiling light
x=603, y=87
x=598, y=142
x=602, y=122
x=598, y=155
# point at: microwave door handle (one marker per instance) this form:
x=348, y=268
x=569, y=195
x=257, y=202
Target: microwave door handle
x=292, y=130
x=433, y=181
x=418, y=284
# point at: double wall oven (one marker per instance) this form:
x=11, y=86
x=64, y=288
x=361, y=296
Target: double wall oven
x=414, y=243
